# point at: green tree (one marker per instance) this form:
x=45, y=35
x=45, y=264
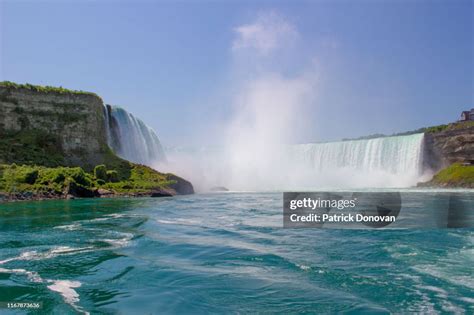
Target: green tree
x=100, y=172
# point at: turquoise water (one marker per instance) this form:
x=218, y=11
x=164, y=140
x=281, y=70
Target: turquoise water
x=222, y=253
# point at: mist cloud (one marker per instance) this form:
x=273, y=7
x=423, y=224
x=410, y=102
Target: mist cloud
x=263, y=36
x=270, y=105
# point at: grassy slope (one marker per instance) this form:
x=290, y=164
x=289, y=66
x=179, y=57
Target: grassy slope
x=455, y=175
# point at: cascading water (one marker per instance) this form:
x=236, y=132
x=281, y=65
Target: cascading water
x=396, y=155
x=380, y=162
x=131, y=139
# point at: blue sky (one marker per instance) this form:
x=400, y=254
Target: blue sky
x=376, y=66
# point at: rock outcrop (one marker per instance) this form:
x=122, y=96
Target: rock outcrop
x=181, y=186
x=452, y=145
x=73, y=121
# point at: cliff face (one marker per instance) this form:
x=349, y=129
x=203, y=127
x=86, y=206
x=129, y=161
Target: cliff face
x=72, y=121
x=43, y=129
x=454, y=144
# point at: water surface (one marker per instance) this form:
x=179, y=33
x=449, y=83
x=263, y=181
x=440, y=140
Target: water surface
x=222, y=253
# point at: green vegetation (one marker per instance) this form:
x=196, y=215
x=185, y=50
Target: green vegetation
x=461, y=125
x=113, y=162
x=100, y=172
x=142, y=179
x=431, y=129
x=456, y=175
x=39, y=179
x=59, y=181
x=35, y=161
x=43, y=89
x=439, y=128
x=31, y=147
x=112, y=176
x=38, y=147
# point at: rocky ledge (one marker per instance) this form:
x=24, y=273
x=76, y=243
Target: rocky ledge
x=452, y=144
x=449, y=153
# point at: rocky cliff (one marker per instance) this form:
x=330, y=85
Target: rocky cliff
x=51, y=125
x=453, y=144
x=43, y=129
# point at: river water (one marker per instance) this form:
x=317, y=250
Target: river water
x=222, y=253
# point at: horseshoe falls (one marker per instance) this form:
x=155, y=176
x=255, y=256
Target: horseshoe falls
x=397, y=155
x=380, y=162
x=395, y=161
x=384, y=162
x=131, y=139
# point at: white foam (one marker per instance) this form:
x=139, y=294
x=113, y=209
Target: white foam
x=54, y=252
x=63, y=287
x=445, y=273
x=166, y=221
x=32, y=276
x=467, y=299
x=304, y=267
x=115, y=215
x=98, y=219
x=120, y=242
x=29, y=255
x=69, y=227
x=66, y=289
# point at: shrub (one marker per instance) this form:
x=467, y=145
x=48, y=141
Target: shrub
x=100, y=172
x=53, y=175
x=31, y=176
x=59, y=177
x=112, y=176
x=79, y=176
x=21, y=174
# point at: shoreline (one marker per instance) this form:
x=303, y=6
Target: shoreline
x=7, y=199
x=28, y=196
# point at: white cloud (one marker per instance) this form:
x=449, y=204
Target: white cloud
x=269, y=32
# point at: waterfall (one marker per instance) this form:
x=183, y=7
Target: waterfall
x=374, y=163
x=394, y=155
x=131, y=139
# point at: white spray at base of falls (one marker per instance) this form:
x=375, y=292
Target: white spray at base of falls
x=374, y=163
x=274, y=101
x=131, y=139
